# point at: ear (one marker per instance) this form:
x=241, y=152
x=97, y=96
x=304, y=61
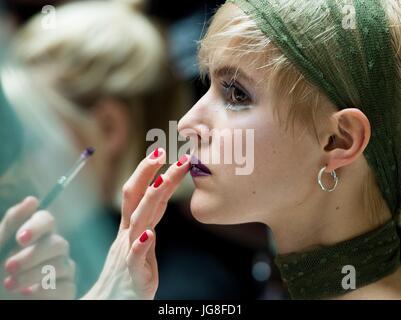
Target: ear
x=113, y=119
x=348, y=138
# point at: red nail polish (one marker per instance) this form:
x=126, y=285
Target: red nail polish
x=158, y=182
x=25, y=236
x=12, y=266
x=10, y=283
x=26, y=291
x=155, y=154
x=143, y=237
x=182, y=160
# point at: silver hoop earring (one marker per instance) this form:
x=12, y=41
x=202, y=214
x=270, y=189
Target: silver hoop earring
x=335, y=178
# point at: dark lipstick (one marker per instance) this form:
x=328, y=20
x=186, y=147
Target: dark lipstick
x=198, y=169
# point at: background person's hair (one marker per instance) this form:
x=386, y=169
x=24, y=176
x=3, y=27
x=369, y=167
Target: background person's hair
x=95, y=47
x=105, y=49
x=47, y=149
x=233, y=36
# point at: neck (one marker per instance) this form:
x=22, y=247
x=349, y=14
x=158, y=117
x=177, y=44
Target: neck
x=327, y=218
x=311, y=241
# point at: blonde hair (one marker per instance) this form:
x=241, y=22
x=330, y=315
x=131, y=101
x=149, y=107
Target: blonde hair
x=96, y=46
x=234, y=35
x=104, y=49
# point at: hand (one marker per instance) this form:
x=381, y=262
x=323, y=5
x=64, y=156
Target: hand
x=130, y=271
x=37, y=247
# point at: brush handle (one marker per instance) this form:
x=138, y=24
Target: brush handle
x=50, y=197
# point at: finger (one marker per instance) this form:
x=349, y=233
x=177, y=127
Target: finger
x=152, y=207
x=45, y=249
x=176, y=174
x=153, y=261
x=178, y=171
x=15, y=217
x=136, y=185
x=41, y=224
x=143, y=273
x=65, y=289
x=63, y=267
x=139, y=249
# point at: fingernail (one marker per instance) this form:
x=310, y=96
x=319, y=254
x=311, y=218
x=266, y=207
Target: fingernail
x=10, y=283
x=12, y=266
x=158, y=182
x=25, y=236
x=26, y=291
x=182, y=160
x=156, y=154
x=143, y=237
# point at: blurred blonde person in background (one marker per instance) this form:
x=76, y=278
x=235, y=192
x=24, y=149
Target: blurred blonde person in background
x=111, y=66
x=38, y=266
x=46, y=147
x=106, y=79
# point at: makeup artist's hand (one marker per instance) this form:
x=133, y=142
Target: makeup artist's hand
x=37, y=246
x=130, y=270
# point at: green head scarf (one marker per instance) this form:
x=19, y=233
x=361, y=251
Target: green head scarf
x=356, y=33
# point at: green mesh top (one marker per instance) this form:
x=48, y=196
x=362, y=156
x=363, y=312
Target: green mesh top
x=365, y=51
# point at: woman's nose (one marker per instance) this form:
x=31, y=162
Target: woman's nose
x=194, y=122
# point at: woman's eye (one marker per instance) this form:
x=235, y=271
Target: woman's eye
x=236, y=97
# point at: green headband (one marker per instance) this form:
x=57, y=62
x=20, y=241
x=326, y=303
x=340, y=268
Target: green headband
x=365, y=52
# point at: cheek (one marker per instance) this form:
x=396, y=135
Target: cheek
x=284, y=167
x=230, y=194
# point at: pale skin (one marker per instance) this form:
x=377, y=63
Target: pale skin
x=282, y=191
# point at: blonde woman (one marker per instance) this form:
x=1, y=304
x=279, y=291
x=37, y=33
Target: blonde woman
x=86, y=84
x=40, y=253
x=108, y=78
x=321, y=89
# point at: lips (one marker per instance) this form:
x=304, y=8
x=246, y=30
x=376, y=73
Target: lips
x=198, y=169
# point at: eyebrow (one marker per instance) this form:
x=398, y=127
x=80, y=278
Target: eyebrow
x=232, y=72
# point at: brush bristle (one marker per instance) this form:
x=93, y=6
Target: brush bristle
x=88, y=152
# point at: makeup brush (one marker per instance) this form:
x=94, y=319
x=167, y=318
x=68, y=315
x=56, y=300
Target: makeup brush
x=61, y=184
x=63, y=181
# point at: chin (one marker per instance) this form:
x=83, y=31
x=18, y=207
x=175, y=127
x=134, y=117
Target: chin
x=210, y=209
x=205, y=208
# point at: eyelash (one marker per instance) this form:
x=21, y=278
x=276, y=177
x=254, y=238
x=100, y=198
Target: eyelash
x=229, y=93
